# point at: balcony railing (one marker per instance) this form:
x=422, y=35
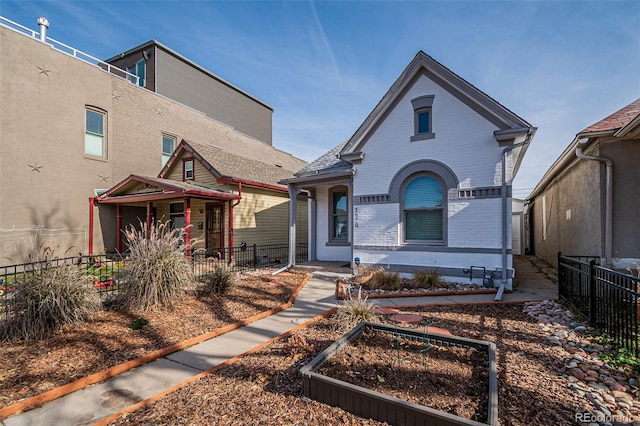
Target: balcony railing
x=68, y=50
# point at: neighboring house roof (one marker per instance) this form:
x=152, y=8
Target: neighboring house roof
x=156, y=43
x=619, y=124
x=618, y=120
x=156, y=188
x=327, y=162
x=267, y=167
x=506, y=121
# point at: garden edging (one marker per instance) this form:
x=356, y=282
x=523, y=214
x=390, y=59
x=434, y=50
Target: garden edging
x=37, y=400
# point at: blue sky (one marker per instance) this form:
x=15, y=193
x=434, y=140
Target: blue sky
x=324, y=65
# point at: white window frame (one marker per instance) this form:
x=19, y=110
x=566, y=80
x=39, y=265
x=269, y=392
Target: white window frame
x=91, y=136
x=166, y=156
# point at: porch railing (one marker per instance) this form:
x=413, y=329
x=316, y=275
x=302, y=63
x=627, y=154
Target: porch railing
x=104, y=270
x=607, y=298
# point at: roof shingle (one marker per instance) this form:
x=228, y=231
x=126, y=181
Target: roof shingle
x=617, y=120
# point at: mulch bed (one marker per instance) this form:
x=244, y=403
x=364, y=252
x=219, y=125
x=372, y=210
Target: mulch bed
x=30, y=368
x=450, y=379
x=266, y=387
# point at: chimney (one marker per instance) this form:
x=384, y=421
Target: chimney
x=43, y=23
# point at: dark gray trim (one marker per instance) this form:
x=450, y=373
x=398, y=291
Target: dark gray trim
x=422, y=136
x=425, y=65
x=478, y=193
x=445, y=271
x=421, y=166
x=343, y=176
x=425, y=101
x=338, y=243
x=353, y=157
x=433, y=248
x=371, y=199
x=331, y=240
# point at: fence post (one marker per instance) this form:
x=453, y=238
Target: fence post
x=255, y=255
x=592, y=292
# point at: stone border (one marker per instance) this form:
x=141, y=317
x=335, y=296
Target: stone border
x=366, y=403
x=37, y=400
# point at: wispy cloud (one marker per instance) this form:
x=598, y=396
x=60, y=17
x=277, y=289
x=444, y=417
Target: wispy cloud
x=324, y=40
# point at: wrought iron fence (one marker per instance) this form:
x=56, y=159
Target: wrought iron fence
x=246, y=257
x=609, y=299
x=104, y=270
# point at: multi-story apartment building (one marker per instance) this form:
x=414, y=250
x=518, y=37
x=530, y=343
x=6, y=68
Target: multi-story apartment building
x=71, y=127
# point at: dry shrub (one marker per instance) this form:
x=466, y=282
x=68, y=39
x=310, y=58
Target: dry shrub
x=377, y=277
x=354, y=310
x=218, y=281
x=157, y=271
x=48, y=297
x=426, y=278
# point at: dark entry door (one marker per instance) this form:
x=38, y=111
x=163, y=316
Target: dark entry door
x=214, y=229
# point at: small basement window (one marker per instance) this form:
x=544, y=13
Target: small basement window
x=423, y=114
x=187, y=169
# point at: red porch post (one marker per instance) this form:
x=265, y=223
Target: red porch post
x=187, y=225
x=119, y=228
x=149, y=217
x=230, y=231
x=91, y=201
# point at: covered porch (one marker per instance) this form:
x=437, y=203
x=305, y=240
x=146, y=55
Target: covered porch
x=205, y=212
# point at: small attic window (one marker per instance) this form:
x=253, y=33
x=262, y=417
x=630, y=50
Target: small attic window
x=187, y=169
x=423, y=118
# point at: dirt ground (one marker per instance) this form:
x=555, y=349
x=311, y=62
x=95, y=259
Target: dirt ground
x=30, y=368
x=265, y=388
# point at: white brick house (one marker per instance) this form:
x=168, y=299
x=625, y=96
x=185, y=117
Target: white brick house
x=425, y=181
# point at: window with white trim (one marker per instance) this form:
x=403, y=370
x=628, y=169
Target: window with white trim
x=95, y=133
x=423, y=210
x=168, y=146
x=187, y=169
x=423, y=118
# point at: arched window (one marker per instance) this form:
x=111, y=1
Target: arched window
x=423, y=210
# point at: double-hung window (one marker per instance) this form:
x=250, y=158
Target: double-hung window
x=423, y=118
x=423, y=210
x=95, y=133
x=187, y=169
x=168, y=145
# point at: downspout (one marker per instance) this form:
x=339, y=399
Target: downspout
x=232, y=205
x=608, y=219
x=503, y=193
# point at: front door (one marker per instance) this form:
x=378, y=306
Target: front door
x=214, y=230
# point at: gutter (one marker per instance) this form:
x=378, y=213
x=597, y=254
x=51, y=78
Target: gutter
x=608, y=232
x=503, y=192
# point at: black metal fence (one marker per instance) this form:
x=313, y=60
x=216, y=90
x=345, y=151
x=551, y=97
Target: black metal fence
x=608, y=299
x=246, y=257
x=104, y=270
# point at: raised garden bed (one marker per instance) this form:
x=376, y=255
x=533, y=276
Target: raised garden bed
x=402, y=377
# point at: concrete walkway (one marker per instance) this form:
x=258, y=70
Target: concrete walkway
x=94, y=403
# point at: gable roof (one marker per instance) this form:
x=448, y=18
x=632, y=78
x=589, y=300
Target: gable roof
x=619, y=124
x=151, y=188
x=423, y=64
x=624, y=119
x=263, y=167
